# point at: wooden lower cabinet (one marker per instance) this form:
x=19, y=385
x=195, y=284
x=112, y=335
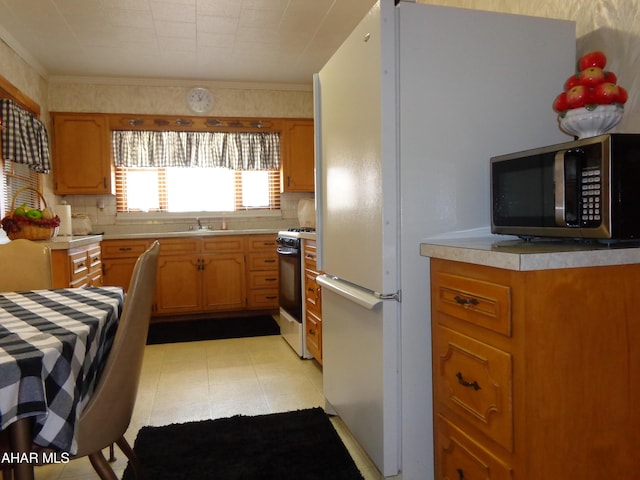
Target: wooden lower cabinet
x=77, y=266
x=312, y=300
x=226, y=273
x=262, y=272
x=200, y=283
x=119, y=258
x=535, y=372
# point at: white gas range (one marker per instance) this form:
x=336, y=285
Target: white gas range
x=292, y=305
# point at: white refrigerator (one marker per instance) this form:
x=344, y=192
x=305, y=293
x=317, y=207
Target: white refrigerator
x=408, y=112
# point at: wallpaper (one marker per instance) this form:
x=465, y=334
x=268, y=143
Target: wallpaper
x=612, y=26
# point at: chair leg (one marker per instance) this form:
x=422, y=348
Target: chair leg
x=112, y=454
x=101, y=466
x=133, y=458
x=7, y=474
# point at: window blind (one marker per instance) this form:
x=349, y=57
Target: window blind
x=16, y=176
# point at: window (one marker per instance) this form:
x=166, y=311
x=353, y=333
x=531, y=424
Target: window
x=169, y=171
x=14, y=177
x=21, y=161
x=196, y=189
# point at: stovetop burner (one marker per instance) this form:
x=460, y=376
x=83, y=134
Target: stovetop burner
x=301, y=229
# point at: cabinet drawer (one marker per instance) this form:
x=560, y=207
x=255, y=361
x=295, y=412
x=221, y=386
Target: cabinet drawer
x=263, y=298
x=262, y=244
x=458, y=456
x=263, y=261
x=222, y=244
x=95, y=262
x=310, y=256
x=79, y=267
x=313, y=332
x=179, y=246
x=263, y=279
x=312, y=292
x=123, y=248
x=485, y=304
x=473, y=380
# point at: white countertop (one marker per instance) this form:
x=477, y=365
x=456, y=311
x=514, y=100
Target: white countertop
x=515, y=254
x=65, y=243
x=188, y=233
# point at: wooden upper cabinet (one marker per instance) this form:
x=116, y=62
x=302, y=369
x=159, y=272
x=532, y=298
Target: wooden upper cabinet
x=297, y=155
x=82, y=158
x=81, y=154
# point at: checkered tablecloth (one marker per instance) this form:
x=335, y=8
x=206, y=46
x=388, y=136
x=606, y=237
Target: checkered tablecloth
x=53, y=345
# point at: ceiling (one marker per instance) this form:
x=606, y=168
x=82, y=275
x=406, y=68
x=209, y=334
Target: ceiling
x=283, y=41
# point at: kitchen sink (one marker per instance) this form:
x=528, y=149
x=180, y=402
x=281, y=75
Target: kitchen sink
x=199, y=231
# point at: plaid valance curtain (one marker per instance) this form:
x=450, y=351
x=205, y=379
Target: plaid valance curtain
x=24, y=140
x=236, y=151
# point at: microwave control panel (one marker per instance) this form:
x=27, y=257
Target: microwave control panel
x=591, y=186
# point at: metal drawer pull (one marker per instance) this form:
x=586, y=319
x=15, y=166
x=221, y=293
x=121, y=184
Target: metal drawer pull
x=465, y=301
x=465, y=383
x=460, y=474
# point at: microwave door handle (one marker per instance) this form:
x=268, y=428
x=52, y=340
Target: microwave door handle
x=558, y=176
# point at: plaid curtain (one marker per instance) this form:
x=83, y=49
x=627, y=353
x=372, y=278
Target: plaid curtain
x=24, y=140
x=236, y=151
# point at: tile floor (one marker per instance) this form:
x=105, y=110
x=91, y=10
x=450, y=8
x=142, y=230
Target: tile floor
x=184, y=382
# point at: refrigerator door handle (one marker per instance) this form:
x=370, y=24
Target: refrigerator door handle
x=363, y=297
x=389, y=296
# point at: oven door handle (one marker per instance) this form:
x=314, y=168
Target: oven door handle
x=287, y=252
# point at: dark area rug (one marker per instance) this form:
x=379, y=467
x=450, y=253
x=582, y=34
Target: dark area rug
x=212, y=329
x=300, y=445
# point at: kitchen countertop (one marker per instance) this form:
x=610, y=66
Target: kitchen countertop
x=516, y=254
x=188, y=233
x=65, y=243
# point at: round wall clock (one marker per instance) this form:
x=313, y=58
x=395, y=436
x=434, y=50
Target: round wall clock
x=200, y=100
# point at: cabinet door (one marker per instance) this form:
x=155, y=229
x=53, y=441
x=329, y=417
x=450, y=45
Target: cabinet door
x=178, y=282
x=298, y=156
x=81, y=154
x=117, y=271
x=223, y=281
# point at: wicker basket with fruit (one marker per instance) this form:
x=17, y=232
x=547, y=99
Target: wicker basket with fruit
x=592, y=102
x=30, y=223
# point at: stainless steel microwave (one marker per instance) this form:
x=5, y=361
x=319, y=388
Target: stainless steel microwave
x=587, y=189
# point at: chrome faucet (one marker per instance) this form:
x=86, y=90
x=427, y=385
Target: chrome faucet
x=200, y=227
